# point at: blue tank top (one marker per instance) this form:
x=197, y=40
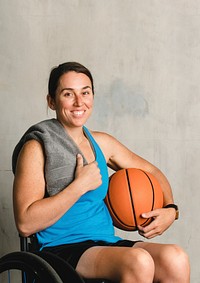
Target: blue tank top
x=88, y=218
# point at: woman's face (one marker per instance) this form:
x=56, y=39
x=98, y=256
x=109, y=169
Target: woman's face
x=74, y=99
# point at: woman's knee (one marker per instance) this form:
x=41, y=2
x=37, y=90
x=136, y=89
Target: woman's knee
x=175, y=260
x=137, y=264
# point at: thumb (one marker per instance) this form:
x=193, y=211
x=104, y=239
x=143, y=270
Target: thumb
x=79, y=160
x=149, y=214
x=145, y=215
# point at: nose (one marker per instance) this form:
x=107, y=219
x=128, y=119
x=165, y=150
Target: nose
x=78, y=100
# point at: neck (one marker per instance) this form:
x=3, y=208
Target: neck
x=76, y=134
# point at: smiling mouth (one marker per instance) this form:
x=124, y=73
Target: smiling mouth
x=78, y=113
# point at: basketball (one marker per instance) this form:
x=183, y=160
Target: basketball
x=132, y=192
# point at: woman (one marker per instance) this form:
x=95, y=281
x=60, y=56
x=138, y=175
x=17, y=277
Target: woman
x=61, y=180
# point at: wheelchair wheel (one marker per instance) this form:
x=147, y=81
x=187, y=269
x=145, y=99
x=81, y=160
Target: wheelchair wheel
x=33, y=268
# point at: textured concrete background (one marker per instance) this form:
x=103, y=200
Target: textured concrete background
x=145, y=58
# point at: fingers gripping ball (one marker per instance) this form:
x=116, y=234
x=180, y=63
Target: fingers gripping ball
x=132, y=192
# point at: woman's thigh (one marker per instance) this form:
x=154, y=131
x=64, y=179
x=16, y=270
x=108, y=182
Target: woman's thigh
x=110, y=262
x=169, y=262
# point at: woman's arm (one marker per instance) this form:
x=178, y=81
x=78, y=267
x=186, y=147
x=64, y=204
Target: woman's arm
x=32, y=211
x=118, y=156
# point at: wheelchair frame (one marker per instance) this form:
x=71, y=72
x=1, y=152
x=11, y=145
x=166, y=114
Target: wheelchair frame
x=39, y=266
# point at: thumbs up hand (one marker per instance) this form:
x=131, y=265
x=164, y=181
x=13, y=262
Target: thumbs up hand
x=88, y=176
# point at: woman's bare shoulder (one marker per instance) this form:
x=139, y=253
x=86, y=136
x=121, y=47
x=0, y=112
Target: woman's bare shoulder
x=31, y=153
x=31, y=146
x=102, y=136
x=107, y=143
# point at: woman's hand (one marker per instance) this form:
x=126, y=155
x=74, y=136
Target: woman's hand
x=88, y=176
x=162, y=219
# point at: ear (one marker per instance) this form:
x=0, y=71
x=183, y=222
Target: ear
x=51, y=102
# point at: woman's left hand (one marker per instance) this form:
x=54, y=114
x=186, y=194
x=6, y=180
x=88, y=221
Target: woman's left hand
x=162, y=219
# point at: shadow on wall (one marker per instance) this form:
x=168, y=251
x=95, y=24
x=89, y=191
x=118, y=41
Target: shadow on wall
x=120, y=101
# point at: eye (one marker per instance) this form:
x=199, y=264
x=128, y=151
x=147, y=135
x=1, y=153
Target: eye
x=67, y=94
x=86, y=92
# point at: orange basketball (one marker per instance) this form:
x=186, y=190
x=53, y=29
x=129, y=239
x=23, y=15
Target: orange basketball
x=132, y=192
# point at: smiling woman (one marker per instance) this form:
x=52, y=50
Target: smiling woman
x=61, y=174
x=73, y=101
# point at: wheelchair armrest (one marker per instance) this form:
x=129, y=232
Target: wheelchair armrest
x=29, y=244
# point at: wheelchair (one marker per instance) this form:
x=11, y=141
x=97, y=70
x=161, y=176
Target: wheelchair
x=34, y=266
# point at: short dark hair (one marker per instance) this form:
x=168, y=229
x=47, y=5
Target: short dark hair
x=58, y=71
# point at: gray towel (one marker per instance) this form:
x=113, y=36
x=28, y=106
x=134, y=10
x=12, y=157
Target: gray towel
x=60, y=153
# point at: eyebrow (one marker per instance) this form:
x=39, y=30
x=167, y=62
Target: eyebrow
x=72, y=89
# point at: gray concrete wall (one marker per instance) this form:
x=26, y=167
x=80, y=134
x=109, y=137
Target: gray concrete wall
x=145, y=58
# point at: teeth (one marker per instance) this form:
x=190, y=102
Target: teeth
x=78, y=113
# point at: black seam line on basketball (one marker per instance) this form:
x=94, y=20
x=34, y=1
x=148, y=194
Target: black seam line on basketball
x=113, y=211
x=152, y=187
x=126, y=225
x=132, y=202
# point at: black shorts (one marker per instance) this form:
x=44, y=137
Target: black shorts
x=72, y=252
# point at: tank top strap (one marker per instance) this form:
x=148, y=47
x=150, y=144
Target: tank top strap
x=99, y=156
